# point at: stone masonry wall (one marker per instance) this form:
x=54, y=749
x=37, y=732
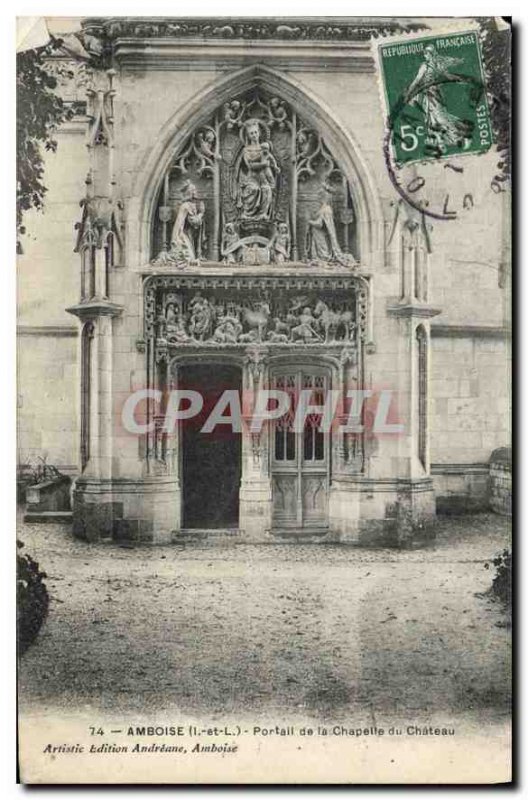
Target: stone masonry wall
x=470, y=399
x=47, y=400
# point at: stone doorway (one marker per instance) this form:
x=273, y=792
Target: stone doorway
x=210, y=462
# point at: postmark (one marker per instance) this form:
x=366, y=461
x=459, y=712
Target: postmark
x=436, y=110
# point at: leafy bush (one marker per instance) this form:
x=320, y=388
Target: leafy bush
x=501, y=585
x=32, y=599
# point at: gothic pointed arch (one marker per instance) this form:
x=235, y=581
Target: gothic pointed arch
x=256, y=170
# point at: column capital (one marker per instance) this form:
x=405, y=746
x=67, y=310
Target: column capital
x=95, y=307
x=418, y=310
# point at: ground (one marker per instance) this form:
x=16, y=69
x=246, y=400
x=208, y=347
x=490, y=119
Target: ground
x=273, y=630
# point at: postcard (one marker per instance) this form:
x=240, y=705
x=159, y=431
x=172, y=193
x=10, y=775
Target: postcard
x=264, y=387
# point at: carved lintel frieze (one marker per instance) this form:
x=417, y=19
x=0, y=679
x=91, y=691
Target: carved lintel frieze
x=227, y=312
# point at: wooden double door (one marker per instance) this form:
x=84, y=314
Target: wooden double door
x=300, y=460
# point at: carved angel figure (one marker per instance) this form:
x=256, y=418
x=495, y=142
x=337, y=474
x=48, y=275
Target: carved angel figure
x=281, y=243
x=230, y=244
x=278, y=112
x=206, y=141
x=233, y=113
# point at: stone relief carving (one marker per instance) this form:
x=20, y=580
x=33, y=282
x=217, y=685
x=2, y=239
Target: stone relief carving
x=201, y=152
x=284, y=310
x=223, y=318
x=266, y=188
x=255, y=250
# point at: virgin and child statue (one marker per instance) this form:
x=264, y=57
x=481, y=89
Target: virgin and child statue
x=256, y=173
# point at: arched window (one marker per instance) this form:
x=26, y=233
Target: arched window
x=91, y=276
x=422, y=358
x=86, y=385
x=87, y=272
x=109, y=260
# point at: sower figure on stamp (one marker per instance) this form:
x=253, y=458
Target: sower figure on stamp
x=442, y=127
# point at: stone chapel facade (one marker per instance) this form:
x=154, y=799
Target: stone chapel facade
x=238, y=228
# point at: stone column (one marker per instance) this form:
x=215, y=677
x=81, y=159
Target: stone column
x=415, y=506
x=94, y=509
x=255, y=485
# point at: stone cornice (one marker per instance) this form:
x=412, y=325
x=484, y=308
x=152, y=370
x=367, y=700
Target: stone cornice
x=197, y=42
x=250, y=280
x=460, y=469
x=464, y=331
x=362, y=483
x=294, y=29
x=287, y=270
x=55, y=331
x=171, y=54
x=201, y=43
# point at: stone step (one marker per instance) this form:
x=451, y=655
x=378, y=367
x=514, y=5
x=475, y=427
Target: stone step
x=201, y=534
x=287, y=531
x=48, y=516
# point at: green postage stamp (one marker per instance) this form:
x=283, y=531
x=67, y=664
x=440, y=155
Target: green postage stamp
x=434, y=92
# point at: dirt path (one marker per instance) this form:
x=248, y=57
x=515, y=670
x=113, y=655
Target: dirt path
x=319, y=631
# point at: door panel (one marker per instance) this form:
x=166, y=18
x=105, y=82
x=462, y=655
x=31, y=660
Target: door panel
x=285, y=494
x=314, y=500
x=300, y=461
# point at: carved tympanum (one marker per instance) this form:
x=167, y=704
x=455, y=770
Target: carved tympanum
x=265, y=189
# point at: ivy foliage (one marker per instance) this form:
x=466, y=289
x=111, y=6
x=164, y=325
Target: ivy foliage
x=40, y=110
x=501, y=585
x=496, y=52
x=32, y=599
